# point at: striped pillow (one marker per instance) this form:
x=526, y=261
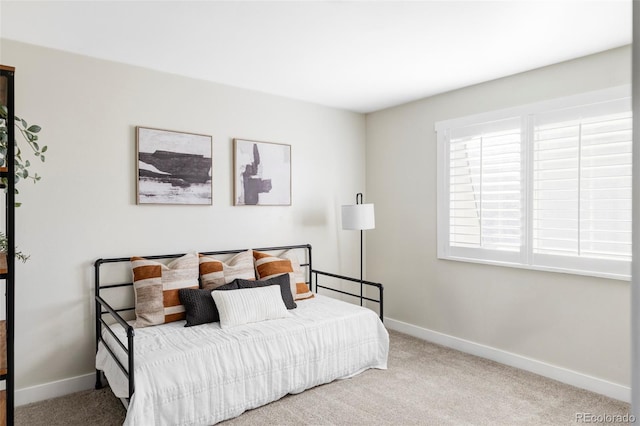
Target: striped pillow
x=214, y=273
x=156, y=288
x=268, y=266
x=302, y=288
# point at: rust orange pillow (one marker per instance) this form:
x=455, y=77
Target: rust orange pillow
x=268, y=266
x=156, y=288
x=215, y=273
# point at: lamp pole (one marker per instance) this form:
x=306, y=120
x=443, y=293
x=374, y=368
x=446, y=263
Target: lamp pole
x=359, y=200
x=359, y=217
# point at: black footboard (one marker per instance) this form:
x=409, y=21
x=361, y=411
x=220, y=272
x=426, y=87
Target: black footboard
x=361, y=296
x=103, y=309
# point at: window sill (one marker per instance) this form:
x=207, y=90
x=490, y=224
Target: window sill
x=611, y=276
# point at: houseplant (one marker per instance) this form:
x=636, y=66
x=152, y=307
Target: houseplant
x=30, y=135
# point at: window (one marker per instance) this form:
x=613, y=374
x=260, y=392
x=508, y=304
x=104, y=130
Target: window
x=542, y=186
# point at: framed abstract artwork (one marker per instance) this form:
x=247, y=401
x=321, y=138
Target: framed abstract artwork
x=262, y=173
x=173, y=167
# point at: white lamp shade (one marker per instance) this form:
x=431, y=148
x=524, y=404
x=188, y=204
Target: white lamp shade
x=358, y=217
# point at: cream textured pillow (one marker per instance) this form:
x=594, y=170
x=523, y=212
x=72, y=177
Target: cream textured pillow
x=156, y=288
x=237, y=307
x=215, y=273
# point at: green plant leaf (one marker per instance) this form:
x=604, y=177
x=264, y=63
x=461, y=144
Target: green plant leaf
x=21, y=166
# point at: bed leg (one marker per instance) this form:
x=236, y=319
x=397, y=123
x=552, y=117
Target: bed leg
x=99, y=380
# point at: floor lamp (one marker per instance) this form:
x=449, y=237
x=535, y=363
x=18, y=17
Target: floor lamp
x=358, y=217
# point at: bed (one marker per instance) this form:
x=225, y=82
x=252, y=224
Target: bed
x=201, y=375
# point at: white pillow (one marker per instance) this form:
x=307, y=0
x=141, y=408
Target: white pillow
x=237, y=307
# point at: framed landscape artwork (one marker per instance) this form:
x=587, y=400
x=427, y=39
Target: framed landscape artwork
x=173, y=167
x=262, y=173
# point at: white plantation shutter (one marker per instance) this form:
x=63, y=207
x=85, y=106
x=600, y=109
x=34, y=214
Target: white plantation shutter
x=582, y=183
x=464, y=210
x=485, y=191
x=556, y=183
x=605, y=190
x=547, y=188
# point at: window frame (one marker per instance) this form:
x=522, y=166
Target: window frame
x=525, y=258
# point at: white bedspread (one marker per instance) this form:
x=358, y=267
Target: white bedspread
x=202, y=375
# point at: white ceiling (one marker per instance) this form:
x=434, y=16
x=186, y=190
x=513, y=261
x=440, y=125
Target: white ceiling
x=357, y=55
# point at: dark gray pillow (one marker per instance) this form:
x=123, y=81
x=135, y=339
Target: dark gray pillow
x=282, y=280
x=199, y=305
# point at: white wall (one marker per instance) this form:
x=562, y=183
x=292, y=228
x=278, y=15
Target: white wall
x=574, y=322
x=84, y=207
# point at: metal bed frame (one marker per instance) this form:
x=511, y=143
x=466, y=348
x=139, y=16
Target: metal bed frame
x=104, y=308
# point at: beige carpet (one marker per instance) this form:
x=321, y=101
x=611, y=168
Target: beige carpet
x=425, y=384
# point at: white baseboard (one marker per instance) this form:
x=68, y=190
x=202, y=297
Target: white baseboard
x=54, y=389
x=583, y=381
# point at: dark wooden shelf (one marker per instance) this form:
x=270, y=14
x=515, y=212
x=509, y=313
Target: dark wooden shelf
x=3, y=408
x=3, y=349
x=7, y=98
